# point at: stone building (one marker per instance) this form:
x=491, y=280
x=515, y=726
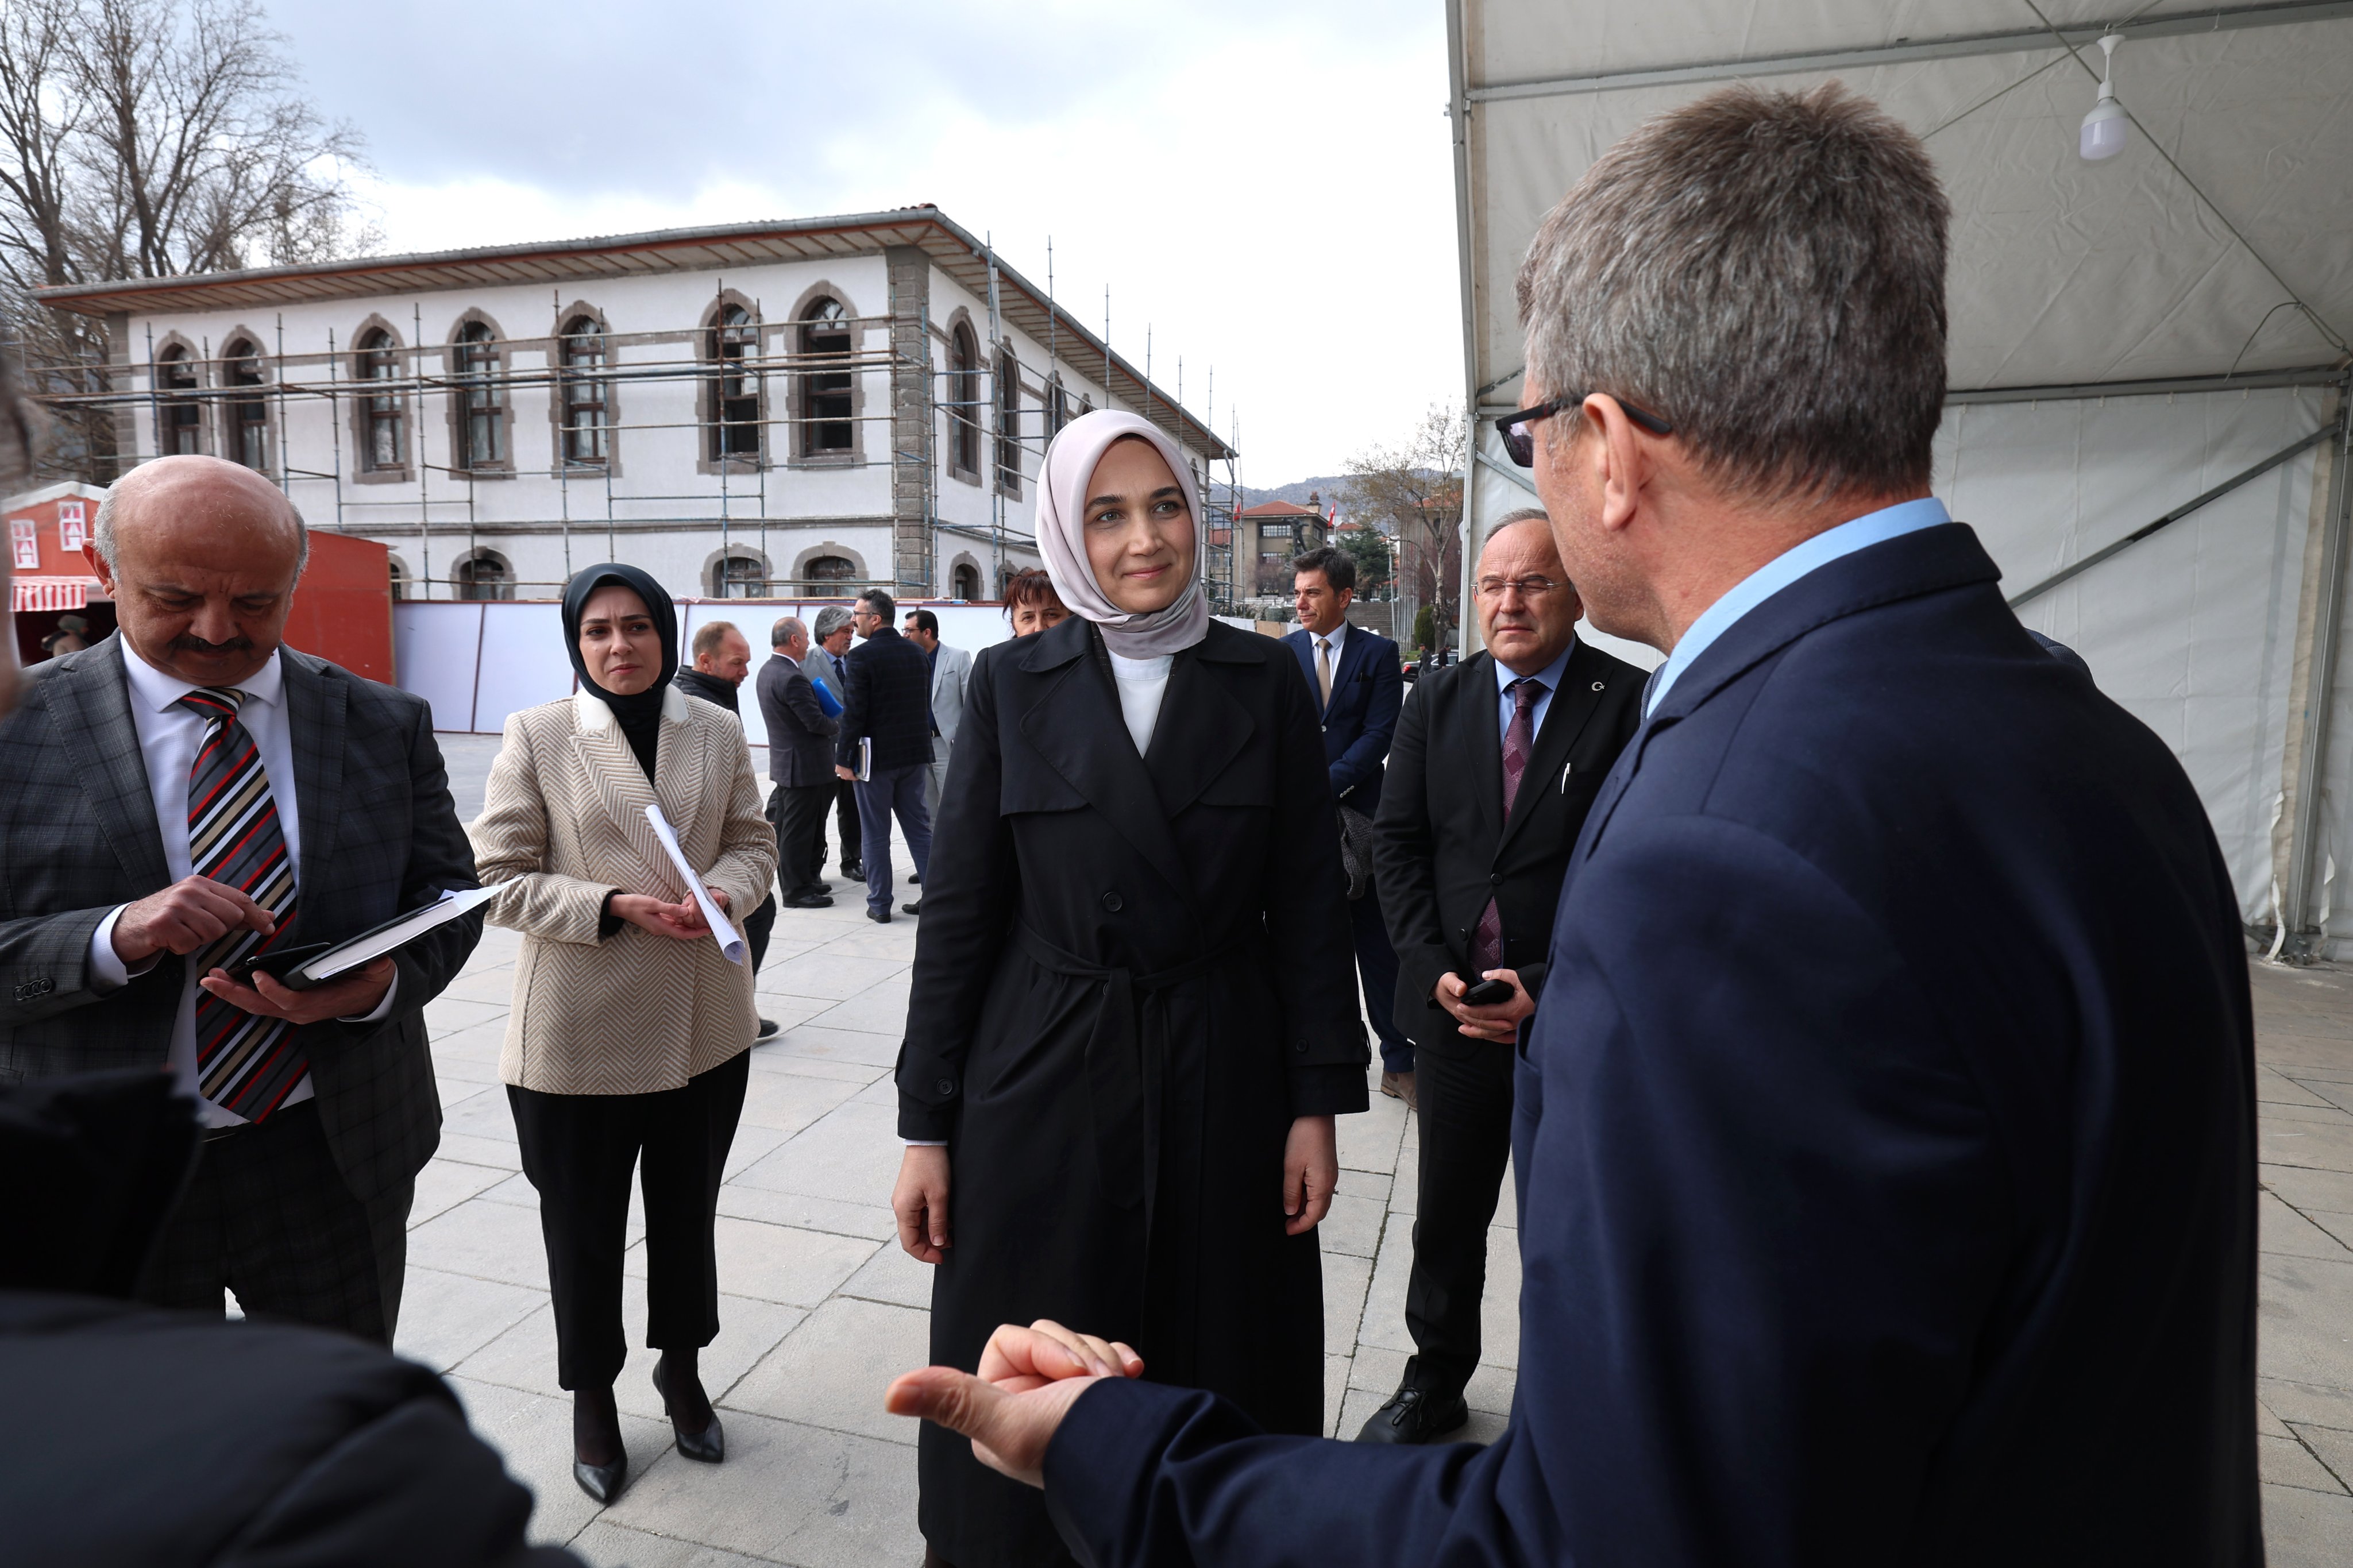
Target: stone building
x=785, y=409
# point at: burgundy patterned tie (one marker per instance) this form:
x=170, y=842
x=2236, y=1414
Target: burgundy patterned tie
x=245, y=1062
x=1519, y=741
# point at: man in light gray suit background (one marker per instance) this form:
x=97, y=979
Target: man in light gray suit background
x=831, y=641
x=951, y=669
x=185, y=794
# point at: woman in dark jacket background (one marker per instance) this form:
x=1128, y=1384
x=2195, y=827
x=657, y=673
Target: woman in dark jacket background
x=1118, y=1100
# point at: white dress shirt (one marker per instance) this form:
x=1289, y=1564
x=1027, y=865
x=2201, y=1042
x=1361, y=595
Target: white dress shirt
x=169, y=737
x=1338, y=637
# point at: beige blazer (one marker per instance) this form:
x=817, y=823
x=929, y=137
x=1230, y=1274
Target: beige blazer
x=563, y=825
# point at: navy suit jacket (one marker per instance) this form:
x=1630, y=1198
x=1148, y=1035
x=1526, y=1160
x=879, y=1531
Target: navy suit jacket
x=1367, y=690
x=1885, y=1150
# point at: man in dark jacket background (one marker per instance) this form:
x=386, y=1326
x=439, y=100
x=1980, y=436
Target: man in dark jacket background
x=800, y=765
x=886, y=745
x=723, y=657
x=1495, y=763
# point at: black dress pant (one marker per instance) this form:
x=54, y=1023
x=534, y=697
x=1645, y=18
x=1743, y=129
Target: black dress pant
x=798, y=812
x=267, y=1216
x=845, y=822
x=1464, y=1087
x=578, y=1149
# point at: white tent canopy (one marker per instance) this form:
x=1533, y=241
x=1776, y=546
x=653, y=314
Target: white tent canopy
x=2127, y=335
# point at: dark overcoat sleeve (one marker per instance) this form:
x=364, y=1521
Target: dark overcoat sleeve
x=856, y=677
x=1404, y=866
x=973, y=884
x=1305, y=893
x=441, y=858
x=1361, y=763
x=1762, y=1224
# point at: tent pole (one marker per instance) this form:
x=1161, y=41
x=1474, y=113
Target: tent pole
x=2302, y=941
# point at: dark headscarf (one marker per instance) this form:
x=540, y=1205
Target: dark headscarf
x=639, y=715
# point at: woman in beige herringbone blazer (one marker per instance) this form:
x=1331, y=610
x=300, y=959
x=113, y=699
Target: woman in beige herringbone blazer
x=628, y=1038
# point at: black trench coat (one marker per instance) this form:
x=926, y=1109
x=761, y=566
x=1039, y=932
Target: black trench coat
x=1133, y=973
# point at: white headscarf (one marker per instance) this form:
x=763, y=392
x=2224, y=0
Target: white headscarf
x=1069, y=467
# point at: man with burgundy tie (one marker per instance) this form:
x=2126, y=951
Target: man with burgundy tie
x=1495, y=763
x=185, y=794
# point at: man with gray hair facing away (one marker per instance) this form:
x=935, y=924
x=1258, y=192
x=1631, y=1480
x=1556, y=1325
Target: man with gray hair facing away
x=1884, y=1141
x=190, y=794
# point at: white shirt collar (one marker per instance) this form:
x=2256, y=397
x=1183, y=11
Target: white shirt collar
x=1339, y=639
x=157, y=690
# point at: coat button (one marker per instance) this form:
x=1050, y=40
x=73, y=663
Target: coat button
x=1495, y=879
x=1301, y=1047
x=1114, y=902
x=945, y=1086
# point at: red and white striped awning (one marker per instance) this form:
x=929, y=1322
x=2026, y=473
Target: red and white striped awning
x=34, y=596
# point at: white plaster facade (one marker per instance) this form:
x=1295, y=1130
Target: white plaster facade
x=894, y=503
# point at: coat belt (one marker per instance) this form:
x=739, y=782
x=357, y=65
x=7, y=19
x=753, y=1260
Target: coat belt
x=1127, y=1067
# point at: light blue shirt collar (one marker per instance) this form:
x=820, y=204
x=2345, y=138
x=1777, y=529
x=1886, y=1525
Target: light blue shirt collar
x=1857, y=533
x=1550, y=674
x=1548, y=679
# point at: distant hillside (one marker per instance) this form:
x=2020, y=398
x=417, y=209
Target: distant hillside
x=1331, y=487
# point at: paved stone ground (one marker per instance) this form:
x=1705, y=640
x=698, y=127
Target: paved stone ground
x=820, y=1308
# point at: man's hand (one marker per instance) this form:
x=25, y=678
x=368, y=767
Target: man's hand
x=1029, y=1380
x=186, y=917
x=353, y=996
x=840, y=771
x=1311, y=1174
x=1499, y=1023
x=682, y=921
x=920, y=1199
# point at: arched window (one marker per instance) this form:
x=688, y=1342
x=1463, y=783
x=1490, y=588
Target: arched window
x=825, y=394
x=1058, y=408
x=484, y=575
x=738, y=577
x=586, y=417
x=482, y=401
x=964, y=401
x=386, y=437
x=182, y=417
x=1008, y=424
x=399, y=579
x=248, y=412
x=965, y=581
x=735, y=390
x=828, y=569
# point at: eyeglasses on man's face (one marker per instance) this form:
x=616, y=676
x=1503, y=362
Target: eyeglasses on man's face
x=1527, y=587
x=1517, y=427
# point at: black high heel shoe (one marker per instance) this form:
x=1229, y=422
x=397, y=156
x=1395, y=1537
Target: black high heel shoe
x=602, y=1482
x=708, y=1447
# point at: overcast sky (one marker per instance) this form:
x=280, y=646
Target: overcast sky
x=1267, y=184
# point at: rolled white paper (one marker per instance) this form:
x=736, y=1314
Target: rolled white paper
x=720, y=932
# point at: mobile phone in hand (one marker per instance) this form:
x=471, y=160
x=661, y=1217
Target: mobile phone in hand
x=1486, y=992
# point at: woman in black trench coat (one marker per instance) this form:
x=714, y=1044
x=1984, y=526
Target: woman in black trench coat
x=1133, y=1017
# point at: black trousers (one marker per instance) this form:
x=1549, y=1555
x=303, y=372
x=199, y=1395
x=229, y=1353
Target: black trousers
x=845, y=822
x=579, y=1150
x=267, y=1216
x=798, y=812
x=1464, y=1087
x=757, y=927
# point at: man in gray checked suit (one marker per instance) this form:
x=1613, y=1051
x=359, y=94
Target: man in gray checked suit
x=951, y=672
x=188, y=793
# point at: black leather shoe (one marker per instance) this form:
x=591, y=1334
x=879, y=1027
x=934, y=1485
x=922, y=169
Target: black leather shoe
x=767, y=1030
x=1415, y=1415
x=855, y=870
x=913, y=880
x=808, y=902
x=602, y=1482
x=708, y=1447
x=880, y=917
x=914, y=908
x=821, y=886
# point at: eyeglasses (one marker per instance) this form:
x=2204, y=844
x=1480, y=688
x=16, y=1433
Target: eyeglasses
x=1519, y=439
x=1529, y=587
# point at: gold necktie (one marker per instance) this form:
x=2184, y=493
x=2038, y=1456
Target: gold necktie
x=1323, y=669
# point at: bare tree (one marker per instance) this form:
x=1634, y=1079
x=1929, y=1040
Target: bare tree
x=1412, y=490
x=146, y=138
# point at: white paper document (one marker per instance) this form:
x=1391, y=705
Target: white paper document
x=724, y=934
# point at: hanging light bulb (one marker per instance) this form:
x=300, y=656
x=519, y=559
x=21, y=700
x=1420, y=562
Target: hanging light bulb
x=2107, y=127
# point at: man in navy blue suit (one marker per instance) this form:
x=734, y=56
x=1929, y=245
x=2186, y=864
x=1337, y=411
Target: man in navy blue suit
x=1359, y=684
x=1884, y=1143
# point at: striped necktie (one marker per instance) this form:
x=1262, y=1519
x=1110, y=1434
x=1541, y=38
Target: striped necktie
x=246, y=1063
